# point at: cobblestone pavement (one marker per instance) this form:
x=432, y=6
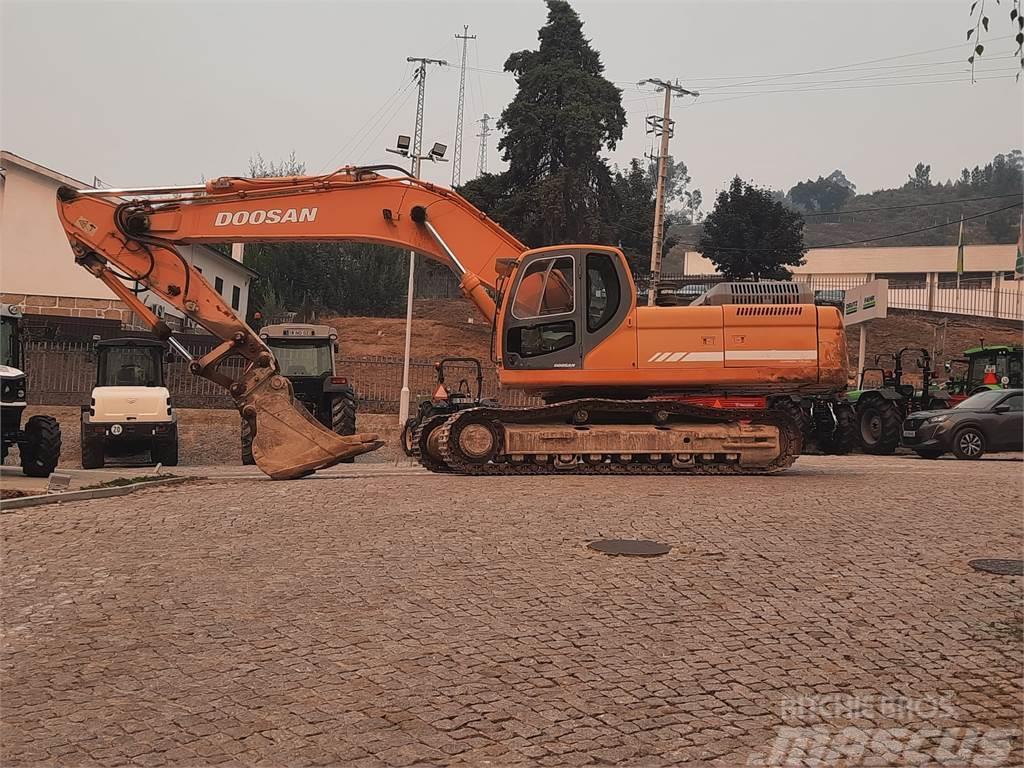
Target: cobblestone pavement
x=415, y=618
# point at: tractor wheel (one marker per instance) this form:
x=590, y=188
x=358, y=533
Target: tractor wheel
x=165, y=452
x=926, y=454
x=247, y=458
x=41, y=450
x=842, y=438
x=793, y=409
x=343, y=416
x=93, y=456
x=407, y=436
x=880, y=422
x=969, y=444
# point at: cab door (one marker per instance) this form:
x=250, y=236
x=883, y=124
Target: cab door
x=563, y=303
x=542, y=316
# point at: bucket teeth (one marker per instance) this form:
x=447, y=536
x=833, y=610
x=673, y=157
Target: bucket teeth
x=288, y=442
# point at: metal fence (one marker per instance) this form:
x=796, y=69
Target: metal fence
x=64, y=373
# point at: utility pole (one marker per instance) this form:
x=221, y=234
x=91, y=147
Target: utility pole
x=485, y=131
x=664, y=127
x=465, y=37
x=417, y=143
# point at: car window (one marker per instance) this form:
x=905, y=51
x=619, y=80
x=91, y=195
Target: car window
x=982, y=401
x=1016, y=402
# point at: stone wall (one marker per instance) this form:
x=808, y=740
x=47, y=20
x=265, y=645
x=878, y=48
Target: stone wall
x=107, y=309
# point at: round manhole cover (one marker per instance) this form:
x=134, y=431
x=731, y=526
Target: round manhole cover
x=999, y=567
x=630, y=547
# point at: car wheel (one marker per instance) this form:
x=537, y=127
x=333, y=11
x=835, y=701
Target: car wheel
x=929, y=454
x=969, y=444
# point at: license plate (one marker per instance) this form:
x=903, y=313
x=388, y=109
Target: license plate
x=909, y=433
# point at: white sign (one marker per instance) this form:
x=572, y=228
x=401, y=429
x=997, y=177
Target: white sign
x=866, y=302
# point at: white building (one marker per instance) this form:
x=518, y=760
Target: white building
x=38, y=271
x=920, y=277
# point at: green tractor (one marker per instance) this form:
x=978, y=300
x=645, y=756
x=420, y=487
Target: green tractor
x=881, y=410
x=305, y=353
x=986, y=367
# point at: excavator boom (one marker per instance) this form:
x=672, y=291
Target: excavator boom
x=134, y=239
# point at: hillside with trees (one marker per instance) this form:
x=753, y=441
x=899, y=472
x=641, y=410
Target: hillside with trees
x=834, y=213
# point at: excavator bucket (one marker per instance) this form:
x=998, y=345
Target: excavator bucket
x=287, y=441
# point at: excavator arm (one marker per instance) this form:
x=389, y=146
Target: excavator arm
x=130, y=236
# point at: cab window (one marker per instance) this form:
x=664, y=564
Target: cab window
x=533, y=340
x=603, y=293
x=547, y=288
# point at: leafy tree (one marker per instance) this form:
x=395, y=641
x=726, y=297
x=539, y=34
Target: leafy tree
x=634, y=192
x=557, y=187
x=826, y=195
x=750, y=235
x=922, y=178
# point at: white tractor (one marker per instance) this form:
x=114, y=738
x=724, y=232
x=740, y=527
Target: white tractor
x=130, y=411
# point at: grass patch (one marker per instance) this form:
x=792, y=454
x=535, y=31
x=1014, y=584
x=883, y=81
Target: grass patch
x=119, y=482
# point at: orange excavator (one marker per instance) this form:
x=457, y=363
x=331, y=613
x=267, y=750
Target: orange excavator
x=627, y=389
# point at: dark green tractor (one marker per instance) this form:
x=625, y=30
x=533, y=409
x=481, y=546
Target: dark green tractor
x=881, y=410
x=996, y=366
x=306, y=356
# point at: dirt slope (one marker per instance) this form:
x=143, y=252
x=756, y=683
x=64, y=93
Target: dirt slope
x=441, y=328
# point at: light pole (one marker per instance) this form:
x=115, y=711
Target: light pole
x=435, y=155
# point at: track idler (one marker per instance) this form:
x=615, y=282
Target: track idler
x=287, y=441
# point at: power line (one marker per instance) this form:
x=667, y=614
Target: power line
x=383, y=123
x=911, y=205
x=368, y=125
x=858, y=63
x=874, y=239
x=861, y=79
x=754, y=79
x=837, y=88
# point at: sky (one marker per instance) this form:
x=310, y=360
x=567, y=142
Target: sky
x=149, y=92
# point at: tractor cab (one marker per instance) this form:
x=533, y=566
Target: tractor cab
x=305, y=354
x=130, y=410
x=993, y=367
x=984, y=367
x=10, y=337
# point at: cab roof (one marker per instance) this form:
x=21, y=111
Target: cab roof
x=130, y=342
x=298, y=331
x=993, y=348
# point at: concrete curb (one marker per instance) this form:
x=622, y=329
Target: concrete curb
x=10, y=505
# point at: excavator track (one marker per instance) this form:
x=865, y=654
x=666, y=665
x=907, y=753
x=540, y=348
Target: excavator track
x=472, y=442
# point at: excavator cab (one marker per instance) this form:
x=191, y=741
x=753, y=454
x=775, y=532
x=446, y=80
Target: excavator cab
x=562, y=302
